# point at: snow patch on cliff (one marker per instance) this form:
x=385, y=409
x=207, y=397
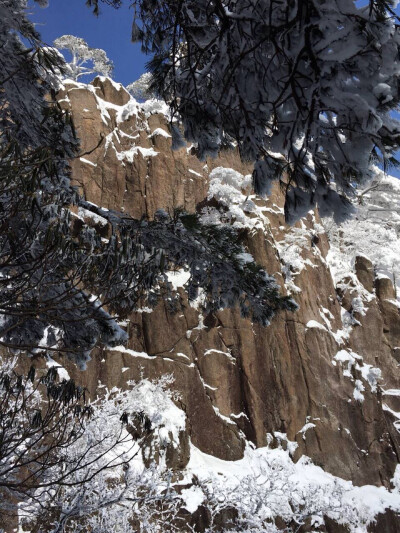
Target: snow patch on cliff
x=153, y=106
x=178, y=278
x=354, y=365
x=295, y=249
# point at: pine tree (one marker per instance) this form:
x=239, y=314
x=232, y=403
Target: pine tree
x=83, y=56
x=312, y=81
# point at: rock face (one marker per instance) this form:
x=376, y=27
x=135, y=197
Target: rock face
x=326, y=376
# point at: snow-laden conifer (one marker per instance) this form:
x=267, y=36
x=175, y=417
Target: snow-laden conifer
x=313, y=81
x=85, y=60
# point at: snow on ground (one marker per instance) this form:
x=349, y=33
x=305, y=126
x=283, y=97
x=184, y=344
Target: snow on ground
x=266, y=483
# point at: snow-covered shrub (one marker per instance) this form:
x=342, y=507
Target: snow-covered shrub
x=68, y=463
x=373, y=231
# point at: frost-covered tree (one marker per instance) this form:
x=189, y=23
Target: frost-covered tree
x=314, y=81
x=59, y=282
x=70, y=465
x=85, y=60
x=140, y=89
x=373, y=232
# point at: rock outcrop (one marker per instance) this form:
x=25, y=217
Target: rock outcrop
x=326, y=376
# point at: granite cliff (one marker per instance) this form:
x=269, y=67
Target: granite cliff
x=322, y=382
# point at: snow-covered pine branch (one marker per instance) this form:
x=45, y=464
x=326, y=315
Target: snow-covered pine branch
x=314, y=81
x=85, y=60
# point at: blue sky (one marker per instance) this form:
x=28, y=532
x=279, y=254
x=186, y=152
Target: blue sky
x=110, y=30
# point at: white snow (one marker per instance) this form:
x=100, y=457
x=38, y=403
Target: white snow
x=232, y=191
x=226, y=354
x=223, y=417
x=130, y=154
x=305, y=428
x=358, y=390
x=133, y=353
x=86, y=214
x=391, y=392
x=197, y=302
x=294, y=248
x=195, y=173
x=87, y=162
x=315, y=324
x=369, y=373
x=192, y=497
x=383, y=92
x=155, y=400
x=178, y=278
x=61, y=371
x=267, y=483
x=155, y=106
x=372, y=232
x=160, y=132
x=245, y=257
